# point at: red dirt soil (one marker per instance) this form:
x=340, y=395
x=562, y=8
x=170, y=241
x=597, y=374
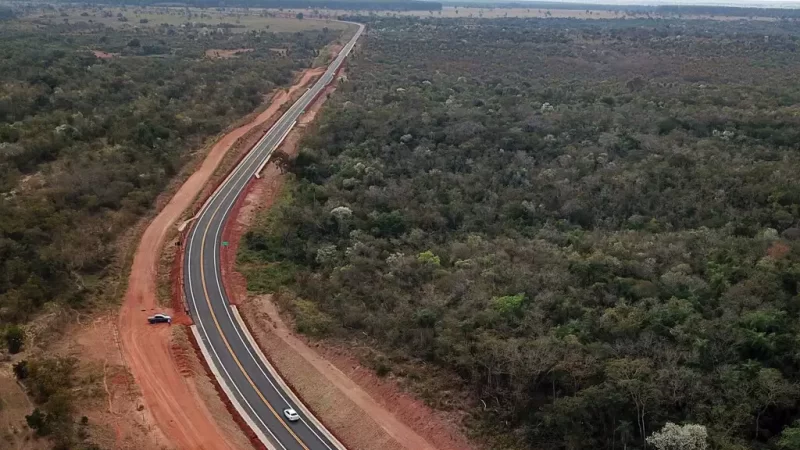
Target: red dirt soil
x=260, y=193
x=402, y=420
x=177, y=410
x=104, y=55
x=778, y=250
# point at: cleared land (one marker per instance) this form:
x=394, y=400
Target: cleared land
x=286, y=20
x=496, y=13
x=236, y=20
x=177, y=410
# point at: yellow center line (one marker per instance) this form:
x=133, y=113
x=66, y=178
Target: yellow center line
x=227, y=344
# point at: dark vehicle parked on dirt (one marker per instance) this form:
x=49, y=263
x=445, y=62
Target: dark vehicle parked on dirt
x=160, y=318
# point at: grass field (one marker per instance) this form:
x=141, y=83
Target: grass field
x=460, y=12
x=155, y=16
x=286, y=21
x=494, y=13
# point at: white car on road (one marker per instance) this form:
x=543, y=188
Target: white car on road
x=291, y=415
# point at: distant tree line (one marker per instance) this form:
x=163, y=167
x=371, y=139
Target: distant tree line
x=732, y=11
x=544, y=5
x=396, y=5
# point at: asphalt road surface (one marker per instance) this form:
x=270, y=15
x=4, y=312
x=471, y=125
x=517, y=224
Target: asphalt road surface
x=260, y=396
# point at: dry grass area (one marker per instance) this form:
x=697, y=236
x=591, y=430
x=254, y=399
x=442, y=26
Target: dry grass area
x=494, y=13
x=14, y=402
x=286, y=21
x=216, y=53
x=14, y=405
x=195, y=373
x=149, y=17
x=105, y=391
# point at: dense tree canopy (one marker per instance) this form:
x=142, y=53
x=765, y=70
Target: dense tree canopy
x=86, y=143
x=594, y=225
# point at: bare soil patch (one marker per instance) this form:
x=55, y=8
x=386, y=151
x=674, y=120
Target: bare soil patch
x=14, y=432
x=157, y=363
x=105, y=392
x=104, y=55
x=215, y=53
x=116, y=413
x=778, y=250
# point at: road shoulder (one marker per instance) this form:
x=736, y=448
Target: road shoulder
x=360, y=420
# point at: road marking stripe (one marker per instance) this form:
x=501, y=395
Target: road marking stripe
x=225, y=387
x=239, y=174
x=211, y=362
x=285, y=387
x=228, y=312
x=225, y=339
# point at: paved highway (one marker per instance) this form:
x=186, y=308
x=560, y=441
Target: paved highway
x=247, y=378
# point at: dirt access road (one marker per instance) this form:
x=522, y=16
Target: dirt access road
x=182, y=417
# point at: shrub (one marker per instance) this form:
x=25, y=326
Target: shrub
x=15, y=337
x=21, y=370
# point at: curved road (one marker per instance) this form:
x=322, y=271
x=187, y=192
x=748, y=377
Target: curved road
x=246, y=377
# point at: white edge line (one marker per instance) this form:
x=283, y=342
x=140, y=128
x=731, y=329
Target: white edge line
x=266, y=161
x=217, y=272
x=230, y=175
x=202, y=344
x=249, y=154
x=224, y=385
x=264, y=361
x=283, y=384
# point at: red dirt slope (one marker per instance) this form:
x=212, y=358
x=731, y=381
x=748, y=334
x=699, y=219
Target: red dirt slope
x=176, y=408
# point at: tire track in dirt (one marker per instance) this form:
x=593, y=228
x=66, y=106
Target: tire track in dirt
x=182, y=417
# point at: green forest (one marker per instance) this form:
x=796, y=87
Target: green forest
x=95, y=122
x=592, y=225
x=87, y=143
